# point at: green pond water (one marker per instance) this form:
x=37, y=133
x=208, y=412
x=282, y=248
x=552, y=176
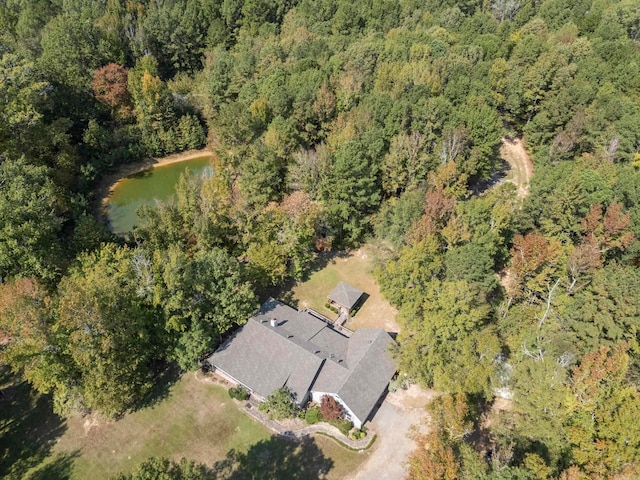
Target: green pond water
x=145, y=188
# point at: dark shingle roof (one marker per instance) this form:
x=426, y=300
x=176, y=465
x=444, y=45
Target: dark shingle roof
x=304, y=353
x=371, y=369
x=345, y=295
x=264, y=361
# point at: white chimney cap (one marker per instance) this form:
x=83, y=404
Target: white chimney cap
x=274, y=322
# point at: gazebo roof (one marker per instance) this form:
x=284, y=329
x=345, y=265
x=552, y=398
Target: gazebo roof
x=345, y=295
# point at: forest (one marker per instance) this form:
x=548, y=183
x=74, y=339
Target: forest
x=337, y=123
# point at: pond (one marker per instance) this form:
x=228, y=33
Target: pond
x=146, y=187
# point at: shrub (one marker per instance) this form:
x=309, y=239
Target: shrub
x=331, y=307
x=343, y=425
x=401, y=381
x=330, y=408
x=239, y=393
x=279, y=405
x=313, y=415
x=358, y=433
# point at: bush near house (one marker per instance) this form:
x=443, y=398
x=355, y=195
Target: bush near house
x=313, y=415
x=330, y=408
x=279, y=405
x=328, y=306
x=343, y=425
x=239, y=393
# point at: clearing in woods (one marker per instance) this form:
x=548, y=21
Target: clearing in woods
x=354, y=268
x=520, y=172
x=188, y=419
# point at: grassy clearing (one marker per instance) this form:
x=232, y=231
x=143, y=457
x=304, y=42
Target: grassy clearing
x=195, y=420
x=355, y=269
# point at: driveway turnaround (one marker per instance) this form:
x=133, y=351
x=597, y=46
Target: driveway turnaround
x=393, y=423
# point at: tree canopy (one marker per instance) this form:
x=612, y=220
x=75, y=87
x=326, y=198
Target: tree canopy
x=334, y=123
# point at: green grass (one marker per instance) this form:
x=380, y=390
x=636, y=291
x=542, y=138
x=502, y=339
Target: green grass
x=195, y=420
x=355, y=269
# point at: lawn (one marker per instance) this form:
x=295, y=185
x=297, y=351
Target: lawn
x=355, y=269
x=194, y=420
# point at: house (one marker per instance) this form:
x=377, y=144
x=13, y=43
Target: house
x=344, y=296
x=283, y=347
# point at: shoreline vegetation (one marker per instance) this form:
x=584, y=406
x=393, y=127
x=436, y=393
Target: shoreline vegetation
x=109, y=182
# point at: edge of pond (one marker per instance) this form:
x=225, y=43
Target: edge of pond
x=110, y=181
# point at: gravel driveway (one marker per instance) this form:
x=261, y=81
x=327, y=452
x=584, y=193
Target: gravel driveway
x=393, y=422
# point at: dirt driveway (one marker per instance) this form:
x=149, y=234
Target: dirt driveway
x=393, y=423
x=521, y=168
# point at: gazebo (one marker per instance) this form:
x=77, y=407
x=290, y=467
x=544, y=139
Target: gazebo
x=344, y=296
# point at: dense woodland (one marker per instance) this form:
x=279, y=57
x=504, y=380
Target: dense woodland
x=338, y=122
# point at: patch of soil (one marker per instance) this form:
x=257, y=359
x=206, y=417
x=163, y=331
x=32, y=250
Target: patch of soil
x=90, y=423
x=513, y=152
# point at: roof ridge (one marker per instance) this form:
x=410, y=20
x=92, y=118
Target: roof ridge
x=285, y=337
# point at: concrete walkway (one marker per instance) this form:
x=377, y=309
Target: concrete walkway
x=402, y=413
x=297, y=429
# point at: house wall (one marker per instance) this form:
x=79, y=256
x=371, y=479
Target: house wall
x=230, y=379
x=317, y=397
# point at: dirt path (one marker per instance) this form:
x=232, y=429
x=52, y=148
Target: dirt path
x=521, y=168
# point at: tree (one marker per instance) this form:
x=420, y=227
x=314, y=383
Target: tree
x=30, y=347
x=29, y=221
x=109, y=334
x=330, y=408
x=176, y=33
x=20, y=98
x=483, y=126
x=279, y=405
x=110, y=87
x=505, y=9
x=604, y=438
x=153, y=106
x=533, y=263
x=605, y=312
x=444, y=339
x=202, y=298
x=92, y=345
x=406, y=164
x=450, y=415
x=156, y=468
x=261, y=180
x=609, y=230
x=351, y=190
x=72, y=48
x=541, y=405
x=433, y=459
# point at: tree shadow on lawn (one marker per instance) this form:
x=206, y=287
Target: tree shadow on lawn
x=284, y=291
x=276, y=458
x=321, y=261
x=28, y=428
x=167, y=374
x=57, y=469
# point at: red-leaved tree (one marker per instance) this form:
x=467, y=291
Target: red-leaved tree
x=330, y=408
x=110, y=87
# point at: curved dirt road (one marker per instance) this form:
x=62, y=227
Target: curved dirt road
x=520, y=172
